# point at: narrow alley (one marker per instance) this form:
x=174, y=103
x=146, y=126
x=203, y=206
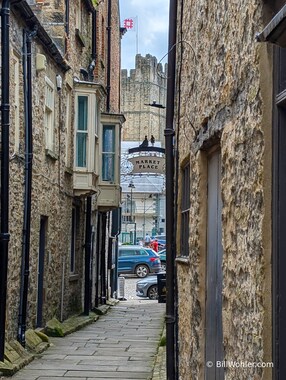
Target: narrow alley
x=120, y=345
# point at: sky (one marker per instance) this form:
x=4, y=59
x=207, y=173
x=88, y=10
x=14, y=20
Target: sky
x=153, y=19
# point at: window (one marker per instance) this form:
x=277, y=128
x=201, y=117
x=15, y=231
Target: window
x=96, y=123
x=82, y=132
x=16, y=104
x=185, y=210
x=86, y=129
x=79, y=16
x=49, y=114
x=126, y=218
x=108, y=153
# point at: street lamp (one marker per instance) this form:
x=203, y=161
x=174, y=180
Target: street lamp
x=132, y=186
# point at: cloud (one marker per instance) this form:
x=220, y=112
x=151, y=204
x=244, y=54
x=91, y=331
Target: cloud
x=153, y=17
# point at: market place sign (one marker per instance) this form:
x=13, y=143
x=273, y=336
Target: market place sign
x=145, y=164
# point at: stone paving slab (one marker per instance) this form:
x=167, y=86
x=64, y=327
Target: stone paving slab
x=120, y=345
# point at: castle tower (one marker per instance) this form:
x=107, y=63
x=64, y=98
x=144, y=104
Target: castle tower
x=146, y=84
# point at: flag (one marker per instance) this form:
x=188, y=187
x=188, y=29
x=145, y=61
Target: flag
x=130, y=24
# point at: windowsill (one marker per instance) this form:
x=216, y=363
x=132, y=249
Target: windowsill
x=69, y=170
x=73, y=277
x=103, y=182
x=51, y=154
x=182, y=260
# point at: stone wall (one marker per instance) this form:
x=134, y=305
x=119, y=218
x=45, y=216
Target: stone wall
x=145, y=84
x=223, y=98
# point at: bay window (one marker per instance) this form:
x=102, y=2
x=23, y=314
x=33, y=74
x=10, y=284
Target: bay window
x=86, y=165
x=109, y=195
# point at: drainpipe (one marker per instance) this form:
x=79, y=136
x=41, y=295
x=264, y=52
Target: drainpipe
x=108, y=57
x=5, y=123
x=170, y=218
x=67, y=23
x=93, y=46
x=25, y=265
x=92, y=64
x=67, y=18
x=87, y=256
x=97, y=260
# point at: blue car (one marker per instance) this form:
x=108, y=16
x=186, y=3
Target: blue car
x=134, y=259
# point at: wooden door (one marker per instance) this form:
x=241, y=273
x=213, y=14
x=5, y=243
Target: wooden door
x=214, y=334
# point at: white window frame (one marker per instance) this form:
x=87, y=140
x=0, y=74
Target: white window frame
x=49, y=117
x=92, y=128
x=109, y=153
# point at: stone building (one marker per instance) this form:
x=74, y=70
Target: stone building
x=64, y=96
x=146, y=84
x=230, y=225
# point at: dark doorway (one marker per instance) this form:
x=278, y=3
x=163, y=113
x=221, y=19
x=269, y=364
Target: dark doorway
x=214, y=334
x=41, y=269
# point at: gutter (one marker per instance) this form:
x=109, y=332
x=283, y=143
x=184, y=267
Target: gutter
x=170, y=198
x=5, y=126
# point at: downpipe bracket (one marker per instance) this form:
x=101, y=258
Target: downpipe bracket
x=170, y=319
x=4, y=236
x=169, y=132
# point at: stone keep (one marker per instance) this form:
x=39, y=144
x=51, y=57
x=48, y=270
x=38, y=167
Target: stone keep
x=147, y=83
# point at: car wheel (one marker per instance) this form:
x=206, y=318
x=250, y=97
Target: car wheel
x=153, y=292
x=141, y=271
x=163, y=266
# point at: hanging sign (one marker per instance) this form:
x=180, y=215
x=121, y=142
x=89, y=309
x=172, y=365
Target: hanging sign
x=145, y=164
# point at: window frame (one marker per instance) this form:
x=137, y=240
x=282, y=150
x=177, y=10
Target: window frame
x=92, y=122
x=73, y=241
x=82, y=132
x=49, y=114
x=185, y=210
x=107, y=153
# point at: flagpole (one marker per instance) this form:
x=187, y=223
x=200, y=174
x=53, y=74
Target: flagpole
x=137, y=48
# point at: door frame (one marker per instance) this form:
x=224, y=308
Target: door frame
x=213, y=304
x=41, y=269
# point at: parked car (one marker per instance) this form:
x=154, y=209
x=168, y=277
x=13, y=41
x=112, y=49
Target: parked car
x=148, y=287
x=162, y=255
x=135, y=259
